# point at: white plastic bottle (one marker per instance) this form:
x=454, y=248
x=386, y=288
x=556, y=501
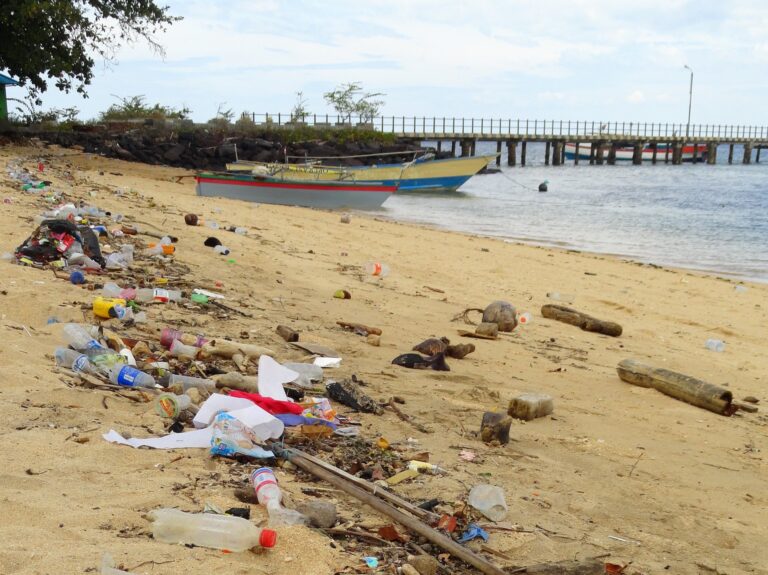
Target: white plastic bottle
x=130, y=376
x=74, y=360
x=145, y=295
x=525, y=318
x=221, y=250
x=209, y=530
x=186, y=382
x=269, y=495
x=376, y=269
x=564, y=297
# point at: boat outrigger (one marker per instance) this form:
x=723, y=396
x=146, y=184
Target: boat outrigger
x=626, y=153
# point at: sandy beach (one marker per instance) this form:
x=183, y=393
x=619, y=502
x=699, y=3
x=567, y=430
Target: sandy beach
x=616, y=470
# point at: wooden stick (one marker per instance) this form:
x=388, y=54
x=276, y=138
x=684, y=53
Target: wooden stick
x=449, y=545
x=682, y=387
x=579, y=319
x=394, y=499
x=407, y=418
x=359, y=327
x=228, y=308
x=359, y=534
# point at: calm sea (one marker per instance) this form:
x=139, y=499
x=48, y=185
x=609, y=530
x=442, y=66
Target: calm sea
x=712, y=218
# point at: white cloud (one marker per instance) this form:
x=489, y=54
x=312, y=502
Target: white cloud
x=636, y=97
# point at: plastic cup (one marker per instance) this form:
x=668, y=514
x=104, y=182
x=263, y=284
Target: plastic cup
x=170, y=405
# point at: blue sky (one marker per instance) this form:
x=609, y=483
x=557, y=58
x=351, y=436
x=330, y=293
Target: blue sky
x=555, y=59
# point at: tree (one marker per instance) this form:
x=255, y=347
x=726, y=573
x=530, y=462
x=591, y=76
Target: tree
x=349, y=99
x=58, y=40
x=136, y=108
x=299, y=112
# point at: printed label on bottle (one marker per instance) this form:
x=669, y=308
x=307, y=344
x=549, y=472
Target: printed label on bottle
x=168, y=406
x=127, y=376
x=261, y=477
x=93, y=344
x=80, y=364
x=377, y=269
x=161, y=294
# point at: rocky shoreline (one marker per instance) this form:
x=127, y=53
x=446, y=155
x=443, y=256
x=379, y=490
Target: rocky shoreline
x=205, y=149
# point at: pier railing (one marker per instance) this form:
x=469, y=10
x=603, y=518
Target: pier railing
x=498, y=128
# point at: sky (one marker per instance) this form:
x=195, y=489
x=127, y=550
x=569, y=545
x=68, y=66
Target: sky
x=573, y=60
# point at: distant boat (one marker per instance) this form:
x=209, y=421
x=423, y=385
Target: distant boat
x=420, y=175
x=319, y=194
x=626, y=153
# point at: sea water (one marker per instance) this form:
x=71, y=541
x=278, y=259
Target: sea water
x=710, y=218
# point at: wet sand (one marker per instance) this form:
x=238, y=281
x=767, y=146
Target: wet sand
x=616, y=469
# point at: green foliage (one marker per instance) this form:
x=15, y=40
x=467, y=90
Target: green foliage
x=28, y=114
x=223, y=118
x=136, y=108
x=305, y=133
x=299, y=112
x=57, y=40
x=349, y=100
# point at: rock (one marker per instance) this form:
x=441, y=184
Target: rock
x=174, y=153
x=488, y=329
x=349, y=393
x=321, y=514
x=502, y=314
x=495, y=427
x=194, y=395
x=424, y=564
x=528, y=406
x=751, y=399
x=408, y=570
x=374, y=340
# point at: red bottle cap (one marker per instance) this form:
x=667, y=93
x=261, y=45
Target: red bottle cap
x=267, y=538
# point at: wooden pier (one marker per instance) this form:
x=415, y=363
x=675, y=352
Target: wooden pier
x=604, y=139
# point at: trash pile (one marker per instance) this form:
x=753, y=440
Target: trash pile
x=234, y=399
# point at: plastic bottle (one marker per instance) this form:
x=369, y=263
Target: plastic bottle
x=715, y=345
x=77, y=337
x=171, y=405
x=376, y=269
x=130, y=377
x=565, y=297
x=74, y=360
x=525, y=318
x=488, y=500
x=269, y=495
x=209, y=530
x=102, y=307
x=186, y=382
x=111, y=290
x=179, y=349
x=425, y=467
x=241, y=230
x=145, y=295
x=221, y=250
x=169, y=334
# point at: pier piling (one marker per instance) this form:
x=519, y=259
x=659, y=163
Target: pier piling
x=600, y=153
x=637, y=154
x=612, y=153
x=511, y=152
x=498, y=153
x=547, y=146
x=695, y=153
x=576, y=155
x=730, y=154
x=757, y=159
x=472, y=147
x=747, y=153
x=465, y=148
x=711, y=153
x=557, y=154
x=592, y=153
x=439, y=146
x=655, y=148
x=666, y=153
x=453, y=148
x=522, y=152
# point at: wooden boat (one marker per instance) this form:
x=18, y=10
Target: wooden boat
x=419, y=175
x=318, y=194
x=626, y=153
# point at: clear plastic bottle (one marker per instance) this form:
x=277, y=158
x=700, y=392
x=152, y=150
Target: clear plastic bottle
x=308, y=372
x=209, y=530
x=145, y=295
x=186, y=382
x=74, y=360
x=715, y=345
x=130, y=376
x=221, y=250
x=525, y=318
x=77, y=337
x=179, y=349
x=111, y=290
x=564, y=297
x=269, y=495
x=376, y=269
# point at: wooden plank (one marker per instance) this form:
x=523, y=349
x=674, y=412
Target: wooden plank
x=582, y=320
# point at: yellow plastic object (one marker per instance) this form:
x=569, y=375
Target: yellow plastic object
x=102, y=305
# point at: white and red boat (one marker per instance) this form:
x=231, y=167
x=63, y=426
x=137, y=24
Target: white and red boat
x=626, y=153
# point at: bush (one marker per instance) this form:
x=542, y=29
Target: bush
x=136, y=108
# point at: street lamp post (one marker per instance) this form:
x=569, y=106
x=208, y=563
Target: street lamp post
x=690, y=100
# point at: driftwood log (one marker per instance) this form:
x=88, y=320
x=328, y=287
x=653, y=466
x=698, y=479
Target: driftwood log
x=682, y=387
x=582, y=320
